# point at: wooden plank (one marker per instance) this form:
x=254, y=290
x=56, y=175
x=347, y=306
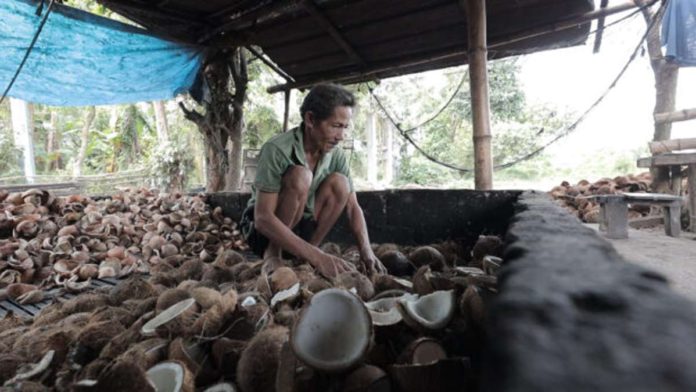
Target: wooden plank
x=24, y=187
x=671, y=117
x=691, y=184
x=668, y=159
x=328, y=25
x=14, y=308
x=663, y=146
x=650, y=197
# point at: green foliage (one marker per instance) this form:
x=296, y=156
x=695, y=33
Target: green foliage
x=170, y=164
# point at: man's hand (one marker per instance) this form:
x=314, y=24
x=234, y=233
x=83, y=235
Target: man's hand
x=371, y=263
x=330, y=266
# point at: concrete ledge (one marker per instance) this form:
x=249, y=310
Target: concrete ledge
x=572, y=315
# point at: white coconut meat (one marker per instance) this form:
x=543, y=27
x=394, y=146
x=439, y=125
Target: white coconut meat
x=333, y=332
x=286, y=295
x=167, y=377
x=384, y=311
x=166, y=316
x=433, y=311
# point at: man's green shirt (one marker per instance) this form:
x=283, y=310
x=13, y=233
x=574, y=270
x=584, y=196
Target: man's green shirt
x=287, y=149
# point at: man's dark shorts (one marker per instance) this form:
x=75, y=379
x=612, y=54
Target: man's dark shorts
x=258, y=242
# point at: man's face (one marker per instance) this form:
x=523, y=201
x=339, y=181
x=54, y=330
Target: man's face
x=328, y=133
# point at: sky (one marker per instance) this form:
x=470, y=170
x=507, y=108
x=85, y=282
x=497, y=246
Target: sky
x=573, y=78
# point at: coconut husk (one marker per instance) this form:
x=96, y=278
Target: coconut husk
x=27, y=386
x=228, y=258
x=282, y=278
x=258, y=365
x=132, y=288
x=146, y=353
x=318, y=284
x=113, y=314
x=422, y=284
x=122, y=376
x=427, y=255
x=354, y=280
x=206, y=297
x=225, y=354
x=187, y=352
x=170, y=297
x=9, y=363
x=92, y=340
x=486, y=245
x=176, y=320
x=85, y=303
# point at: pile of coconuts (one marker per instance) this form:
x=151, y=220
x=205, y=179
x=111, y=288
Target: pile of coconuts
x=64, y=242
x=228, y=323
x=575, y=198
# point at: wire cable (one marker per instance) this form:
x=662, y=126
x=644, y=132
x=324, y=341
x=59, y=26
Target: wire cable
x=568, y=130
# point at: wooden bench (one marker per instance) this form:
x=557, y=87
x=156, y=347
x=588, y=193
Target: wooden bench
x=675, y=161
x=613, y=217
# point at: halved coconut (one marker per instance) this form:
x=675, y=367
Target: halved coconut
x=431, y=312
x=422, y=351
x=333, y=332
x=171, y=376
x=427, y=255
x=221, y=387
x=397, y=263
x=166, y=316
x=384, y=311
x=491, y=264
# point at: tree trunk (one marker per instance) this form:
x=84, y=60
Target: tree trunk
x=161, y=121
x=23, y=126
x=50, y=142
x=84, y=139
x=389, y=153
x=371, y=128
x=223, y=121
x=666, y=77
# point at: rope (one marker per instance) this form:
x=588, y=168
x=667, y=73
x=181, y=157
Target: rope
x=538, y=150
x=31, y=46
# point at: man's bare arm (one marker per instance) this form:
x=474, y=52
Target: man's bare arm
x=356, y=220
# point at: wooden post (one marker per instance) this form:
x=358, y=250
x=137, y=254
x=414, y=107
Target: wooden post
x=675, y=172
x=389, y=152
x=22, y=124
x=692, y=197
x=286, y=114
x=371, y=148
x=161, y=121
x=478, y=79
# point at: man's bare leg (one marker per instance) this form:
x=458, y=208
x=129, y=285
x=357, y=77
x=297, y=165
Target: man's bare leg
x=292, y=199
x=331, y=200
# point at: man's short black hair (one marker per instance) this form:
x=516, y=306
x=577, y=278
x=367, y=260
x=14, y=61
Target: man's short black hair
x=322, y=99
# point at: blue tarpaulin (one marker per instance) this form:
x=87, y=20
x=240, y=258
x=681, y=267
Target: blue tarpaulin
x=679, y=31
x=84, y=59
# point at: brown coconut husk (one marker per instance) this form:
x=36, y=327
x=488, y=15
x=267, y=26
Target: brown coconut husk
x=225, y=354
x=382, y=249
x=331, y=248
x=92, y=339
x=228, y=258
x=367, y=378
x=282, y=279
x=122, y=376
x=318, y=284
x=258, y=364
x=27, y=386
x=427, y=255
x=218, y=275
x=146, y=353
x=206, y=297
x=170, y=297
x=113, y=314
x=189, y=353
x=355, y=280
x=132, y=288
x=86, y=302
x=9, y=363
x=421, y=281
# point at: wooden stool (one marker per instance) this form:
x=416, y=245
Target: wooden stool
x=613, y=217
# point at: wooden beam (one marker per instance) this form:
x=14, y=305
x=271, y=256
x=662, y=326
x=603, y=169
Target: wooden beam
x=679, y=115
x=600, y=28
x=662, y=146
x=424, y=58
x=332, y=30
x=286, y=113
x=668, y=159
x=270, y=64
x=480, y=102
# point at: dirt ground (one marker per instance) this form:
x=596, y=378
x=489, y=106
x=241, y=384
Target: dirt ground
x=673, y=257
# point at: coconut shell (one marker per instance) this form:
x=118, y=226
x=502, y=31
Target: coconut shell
x=442, y=376
x=367, y=378
x=487, y=245
x=258, y=364
x=384, y=283
x=187, y=382
x=123, y=376
x=421, y=281
x=397, y=263
x=422, y=351
x=427, y=255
